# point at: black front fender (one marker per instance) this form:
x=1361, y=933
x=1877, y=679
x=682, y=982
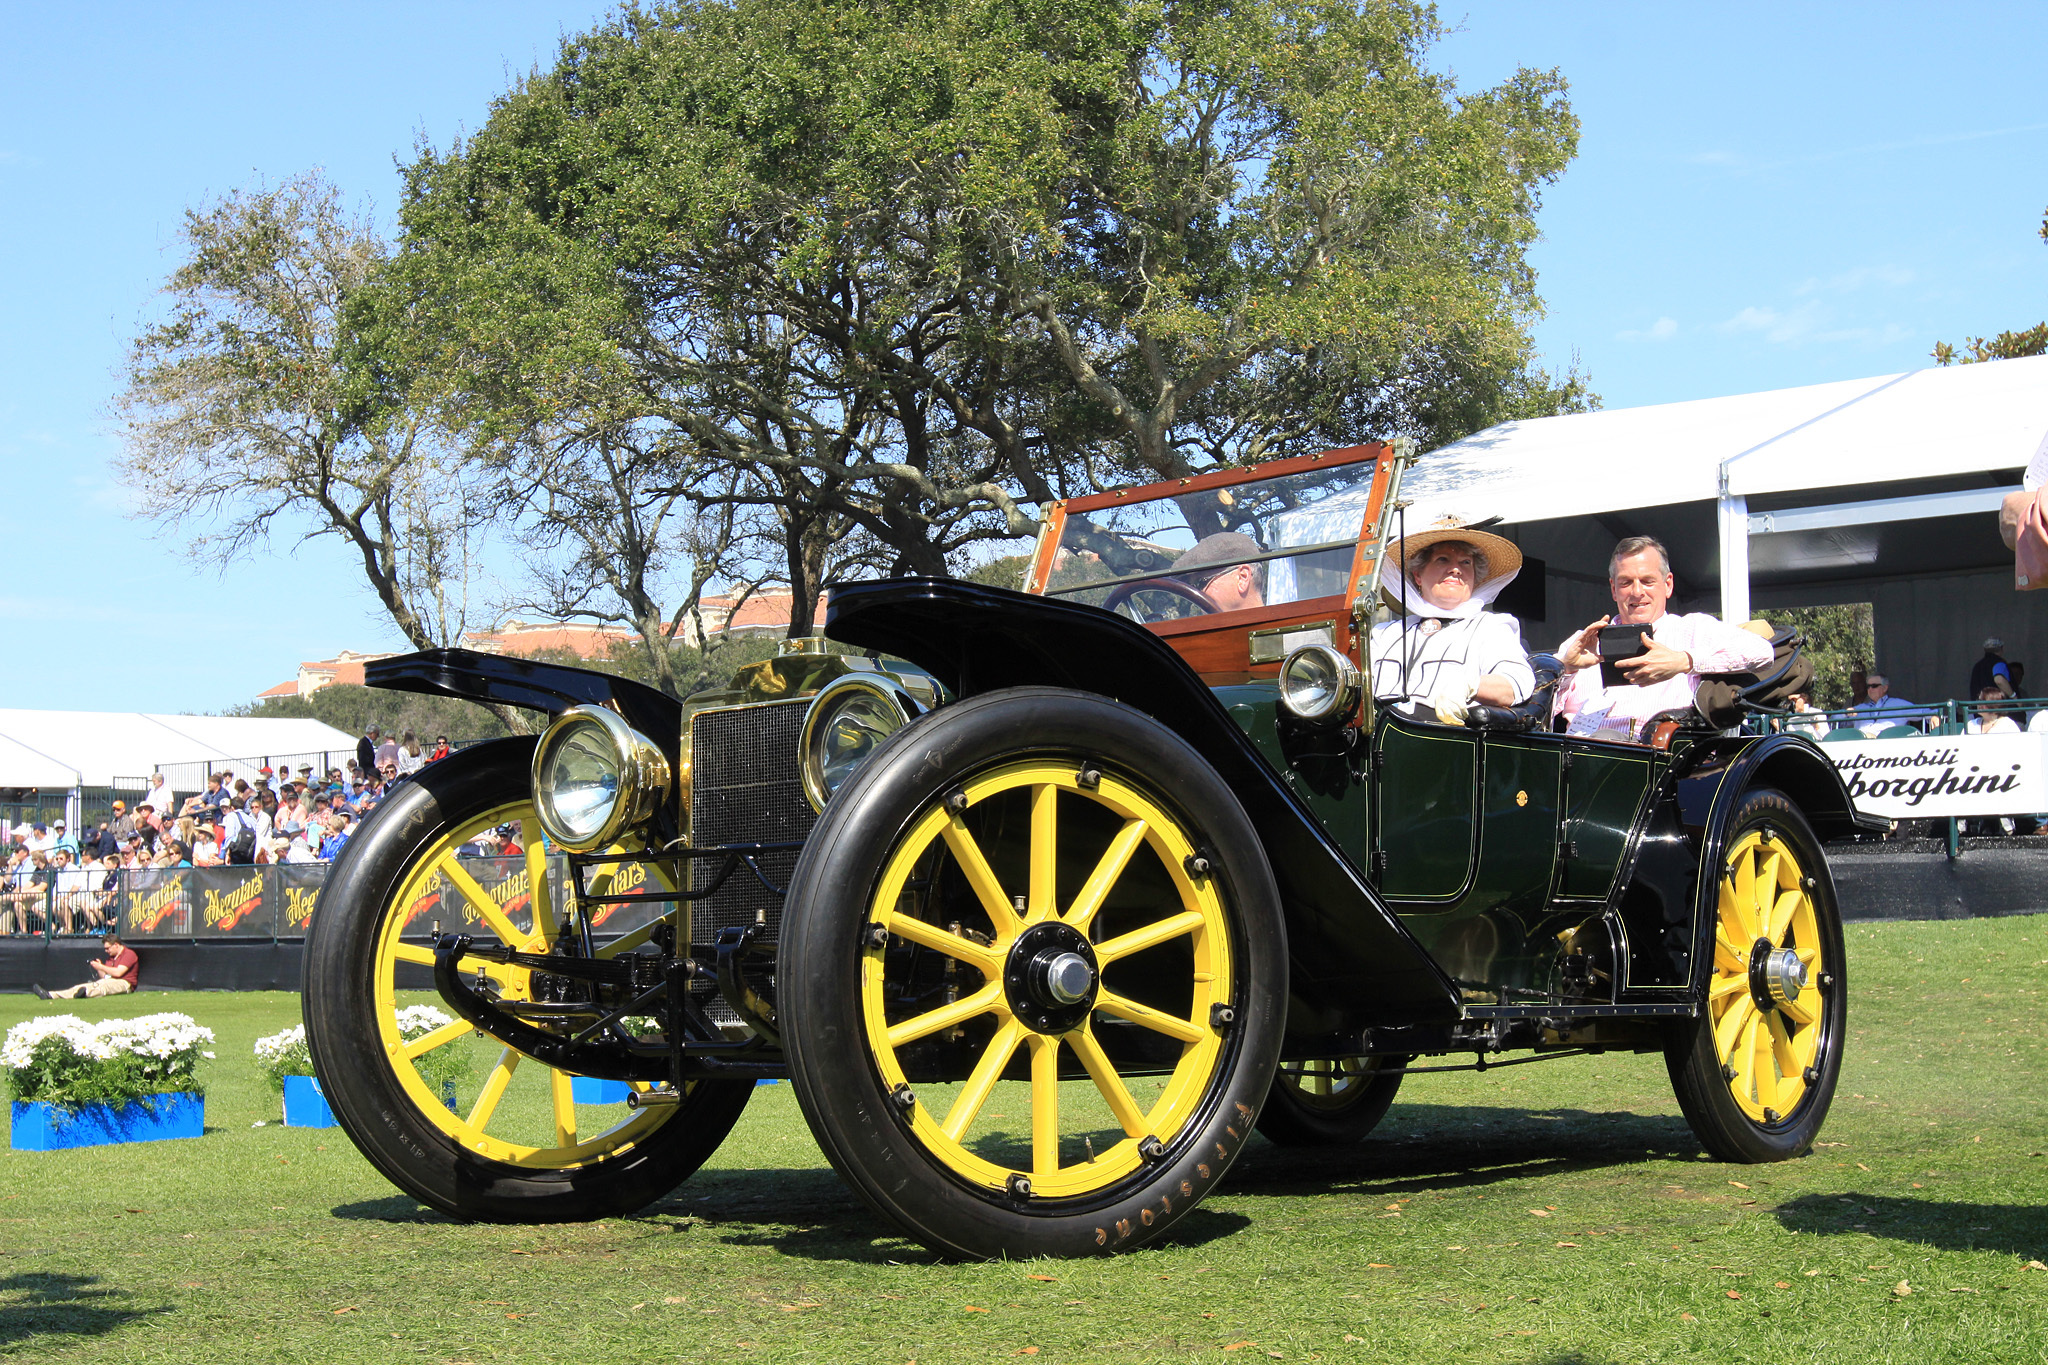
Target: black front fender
x=532, y=685
x=1353, y=964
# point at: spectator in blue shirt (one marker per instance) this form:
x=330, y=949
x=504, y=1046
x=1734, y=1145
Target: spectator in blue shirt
x=337, y=825
x=1880, y=709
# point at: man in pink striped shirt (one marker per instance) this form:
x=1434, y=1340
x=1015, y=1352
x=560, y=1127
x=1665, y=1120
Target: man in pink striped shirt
x=1678, y=649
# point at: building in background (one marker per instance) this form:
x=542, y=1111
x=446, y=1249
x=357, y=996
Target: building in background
x=345, y=667
x=761, y=614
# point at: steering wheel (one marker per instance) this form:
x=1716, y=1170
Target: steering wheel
x=1121, y=595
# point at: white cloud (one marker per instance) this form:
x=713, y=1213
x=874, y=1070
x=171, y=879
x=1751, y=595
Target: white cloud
x=1663, y=329
x=1715, y=159
x=1792, y=325
x=1810, y=321
x=1851, y=280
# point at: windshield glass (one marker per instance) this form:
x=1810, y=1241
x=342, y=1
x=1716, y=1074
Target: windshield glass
x=1284, y=539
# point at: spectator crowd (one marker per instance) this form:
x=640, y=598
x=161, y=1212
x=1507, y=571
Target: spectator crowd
x=66, y=882
x=1996, y=692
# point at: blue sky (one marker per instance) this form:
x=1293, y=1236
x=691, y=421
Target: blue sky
x=1765, y=196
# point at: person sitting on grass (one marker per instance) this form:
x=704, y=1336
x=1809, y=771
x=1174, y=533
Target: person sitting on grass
x=118, y=975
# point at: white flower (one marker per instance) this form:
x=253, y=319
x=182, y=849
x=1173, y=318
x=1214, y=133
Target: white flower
x=415, y=1020
x=278, y=1044
x=23, y=1037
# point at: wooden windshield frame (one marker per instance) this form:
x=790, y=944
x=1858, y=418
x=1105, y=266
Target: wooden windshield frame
x=1219, y=648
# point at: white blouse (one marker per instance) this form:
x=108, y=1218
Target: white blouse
x=1438, y=651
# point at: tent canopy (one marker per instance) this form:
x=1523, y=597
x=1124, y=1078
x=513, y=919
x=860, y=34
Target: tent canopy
x=91, y=748
x=1955, y=420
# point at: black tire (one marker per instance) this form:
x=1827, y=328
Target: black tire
x=1329, y=1102
x=424, y=1148
x=1737, y=1094
x=1220, y=986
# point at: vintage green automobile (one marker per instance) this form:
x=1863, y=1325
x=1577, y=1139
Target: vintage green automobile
x=1044, y=901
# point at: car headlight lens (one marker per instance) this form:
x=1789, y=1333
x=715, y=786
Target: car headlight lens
x=593, y=777
x=847, y=722
x=1319, y=685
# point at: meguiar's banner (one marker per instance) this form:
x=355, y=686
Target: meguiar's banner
x=154, y=904
x=613, y=921
x=278, y=900
x=298, y=893
x=1943, y=775
x=232, y=902
x=469, y=896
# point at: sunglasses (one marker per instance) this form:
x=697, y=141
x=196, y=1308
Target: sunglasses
x=1868, y=686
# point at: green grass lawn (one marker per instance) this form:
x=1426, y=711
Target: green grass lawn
x=1548, y=1213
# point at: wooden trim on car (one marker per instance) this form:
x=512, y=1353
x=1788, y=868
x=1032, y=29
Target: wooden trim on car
x=1224, y=478
x=1220, y=647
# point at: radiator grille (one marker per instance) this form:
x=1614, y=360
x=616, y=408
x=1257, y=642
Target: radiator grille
x=744, y=789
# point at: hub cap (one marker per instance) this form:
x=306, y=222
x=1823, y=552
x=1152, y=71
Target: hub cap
x=1050, y=977
x=1778, y=976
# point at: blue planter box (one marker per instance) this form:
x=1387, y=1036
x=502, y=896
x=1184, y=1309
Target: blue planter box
x=305, y=1104
x=590, y=1090
x=42, y=1127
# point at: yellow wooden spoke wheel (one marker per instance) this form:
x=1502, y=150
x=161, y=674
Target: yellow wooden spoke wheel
x=1037, y=977
x=1756, y=1071
x=1032, y=977
x=1764, y=999
x=510, y=1141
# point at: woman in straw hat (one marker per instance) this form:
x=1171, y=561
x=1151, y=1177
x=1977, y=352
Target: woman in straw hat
x=1446, y=648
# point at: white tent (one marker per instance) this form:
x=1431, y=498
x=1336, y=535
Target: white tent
x=74, y=749
x=1879, y=490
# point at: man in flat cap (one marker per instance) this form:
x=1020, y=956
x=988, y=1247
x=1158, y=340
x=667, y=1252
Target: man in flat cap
x=1216, y=567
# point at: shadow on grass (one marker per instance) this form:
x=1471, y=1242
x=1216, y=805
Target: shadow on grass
x=397, y=1208
x=810, y=1213
x=1438, y=1147
x=34, y=1305
x=2010, y=1229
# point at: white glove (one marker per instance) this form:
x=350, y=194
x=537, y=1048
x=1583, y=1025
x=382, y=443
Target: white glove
x=1451, y=699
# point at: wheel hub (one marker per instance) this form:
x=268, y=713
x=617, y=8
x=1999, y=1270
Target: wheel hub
x=1051, y=977
x=1776, y=975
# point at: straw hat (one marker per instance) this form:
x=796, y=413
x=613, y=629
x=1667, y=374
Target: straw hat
x=1503, y=560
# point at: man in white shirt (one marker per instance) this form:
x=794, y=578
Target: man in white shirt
x=77, y=893
x=1678, y=649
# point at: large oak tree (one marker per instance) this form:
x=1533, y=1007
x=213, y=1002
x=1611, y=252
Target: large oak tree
x=906, y=269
